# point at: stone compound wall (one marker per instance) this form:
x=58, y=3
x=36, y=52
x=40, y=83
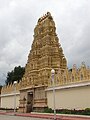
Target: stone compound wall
x=74, y=96
x=8, y=96
x=72, y=88
x=8, y=100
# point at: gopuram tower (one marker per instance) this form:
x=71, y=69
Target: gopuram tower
x=46, y=53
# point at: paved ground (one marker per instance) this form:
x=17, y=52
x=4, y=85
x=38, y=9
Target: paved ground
x=7, y=117
x=59, y=117
x=39, y=116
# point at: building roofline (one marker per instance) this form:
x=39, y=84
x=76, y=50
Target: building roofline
x=73, y=85
x=11, y=94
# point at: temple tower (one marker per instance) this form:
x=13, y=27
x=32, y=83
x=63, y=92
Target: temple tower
x=46, y=53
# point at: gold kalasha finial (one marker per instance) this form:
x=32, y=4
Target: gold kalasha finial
x=48, y=14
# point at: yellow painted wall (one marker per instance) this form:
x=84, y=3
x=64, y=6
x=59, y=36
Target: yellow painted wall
x=71, y=98
x=8, y=101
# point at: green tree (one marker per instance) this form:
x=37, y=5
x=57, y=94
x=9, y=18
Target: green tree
x=15, y=75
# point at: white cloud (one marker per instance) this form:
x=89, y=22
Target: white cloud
x=19, y=17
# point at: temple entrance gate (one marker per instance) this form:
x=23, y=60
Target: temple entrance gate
x=29, y=102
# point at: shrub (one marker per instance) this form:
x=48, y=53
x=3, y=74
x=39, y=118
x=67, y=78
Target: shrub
x=87, y=111
x=67, y=111
x=48, y=110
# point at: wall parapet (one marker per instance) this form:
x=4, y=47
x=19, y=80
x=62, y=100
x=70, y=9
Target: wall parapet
x=73, y=85
x=69, y=76
x=9, y=89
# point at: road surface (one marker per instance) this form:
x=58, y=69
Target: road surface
x=7, y=117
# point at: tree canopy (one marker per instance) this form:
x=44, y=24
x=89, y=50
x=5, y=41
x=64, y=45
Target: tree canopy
x=15, y=75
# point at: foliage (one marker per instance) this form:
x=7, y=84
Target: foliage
x=87, y=111
x=67, y=111
x=15, y=75
x=48, y=110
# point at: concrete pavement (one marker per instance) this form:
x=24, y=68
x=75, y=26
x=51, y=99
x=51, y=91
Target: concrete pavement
x=47, y=116
x=5, y=117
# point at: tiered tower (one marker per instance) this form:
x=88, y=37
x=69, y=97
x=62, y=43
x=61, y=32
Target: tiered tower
x=46, y=53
